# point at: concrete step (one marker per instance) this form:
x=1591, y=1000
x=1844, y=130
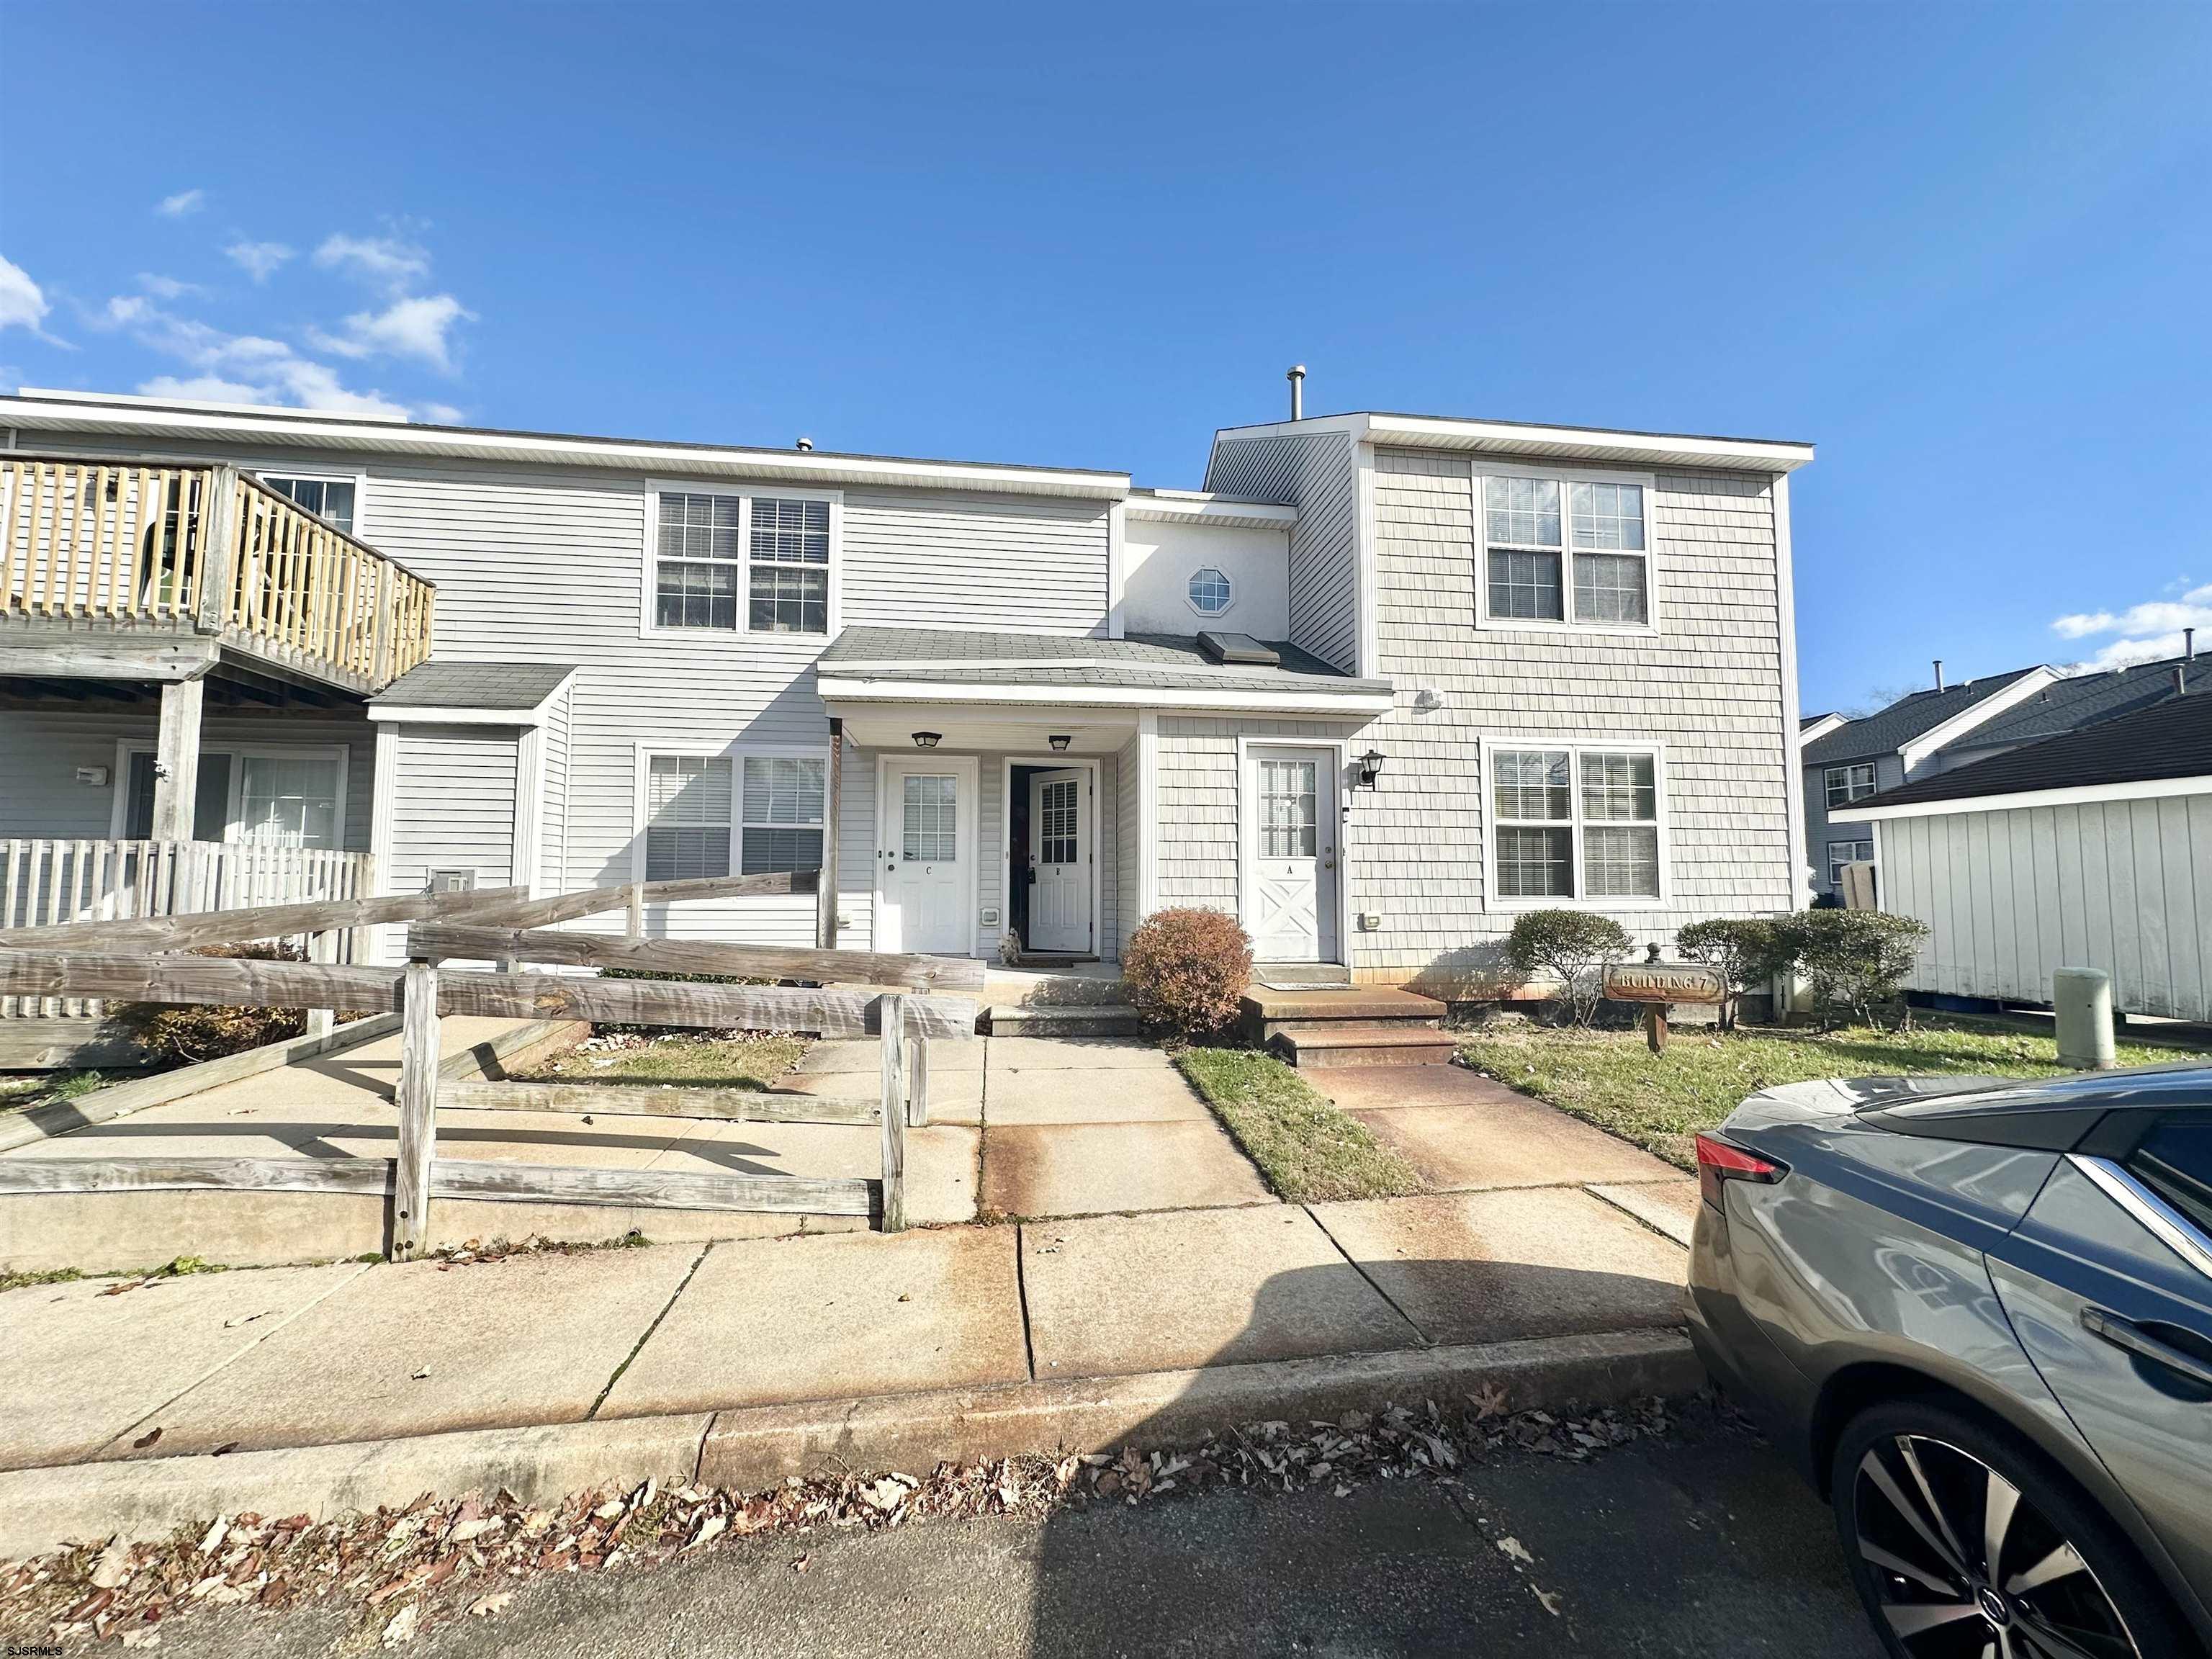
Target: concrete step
x=1269, y=1016
x=1352, y=1043
x=1012, y=988
x=1064, y=1019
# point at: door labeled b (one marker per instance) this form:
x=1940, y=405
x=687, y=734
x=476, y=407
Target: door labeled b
x=1060, y=858
x=1290, y=854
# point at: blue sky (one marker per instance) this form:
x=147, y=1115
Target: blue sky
x=1963, y=248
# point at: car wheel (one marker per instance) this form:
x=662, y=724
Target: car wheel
x=1965, y=1543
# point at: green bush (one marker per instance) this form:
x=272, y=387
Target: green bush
x=1854, y=960
x=1571, y=945
x=1187, y=970
x=1747, y=950
x=180, y=1036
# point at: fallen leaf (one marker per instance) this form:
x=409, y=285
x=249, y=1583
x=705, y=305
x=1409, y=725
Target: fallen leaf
x=145, y=1440
x=709, y=1530
x=216, y=1534
x=800, y=1566
x=1549, y=1599
x=490, y=1605
x=402, y=1627
x=1515, y=1550
x=113, y=1566
x=418, y=1377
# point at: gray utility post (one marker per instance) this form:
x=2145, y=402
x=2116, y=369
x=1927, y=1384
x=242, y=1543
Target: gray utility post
x=2082, y=998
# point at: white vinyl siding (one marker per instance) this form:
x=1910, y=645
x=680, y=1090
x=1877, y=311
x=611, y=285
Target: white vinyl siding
x=452, y=805
x=1707, y=690
x=1025, y=564
x=1319, y=476
x=41, y=751
x=2010, y=895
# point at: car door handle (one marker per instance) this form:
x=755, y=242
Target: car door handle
x=2126, y=1333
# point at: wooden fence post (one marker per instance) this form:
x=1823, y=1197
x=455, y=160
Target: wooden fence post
x=322, y=947
x=893, y=1009
x=917, y=1086
x=634, y=925
x=418, y=1107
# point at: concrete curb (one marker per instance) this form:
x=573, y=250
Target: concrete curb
x=42, y=1510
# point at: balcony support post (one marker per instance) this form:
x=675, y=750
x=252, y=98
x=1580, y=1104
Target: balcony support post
x=176, y=759
x=825, y=899
x=215, y=562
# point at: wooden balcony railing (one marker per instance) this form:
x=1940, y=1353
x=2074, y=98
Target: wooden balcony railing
x=209, y=548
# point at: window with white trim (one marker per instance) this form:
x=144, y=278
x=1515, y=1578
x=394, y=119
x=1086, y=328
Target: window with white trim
x=789, y=588
x=1596, y=574
x=1210, y=591
x=687, y=817
x=1575, y=823
x=782, y=819
x=1841, y=853
x=1845, y=784
x=700, y=557
x=327, y=498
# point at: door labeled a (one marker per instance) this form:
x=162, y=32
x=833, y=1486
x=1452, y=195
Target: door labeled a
x=1290, y=854
x=1060, y=855
x=922, y=856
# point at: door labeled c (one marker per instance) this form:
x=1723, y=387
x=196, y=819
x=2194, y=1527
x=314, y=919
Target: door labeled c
x=922, y=856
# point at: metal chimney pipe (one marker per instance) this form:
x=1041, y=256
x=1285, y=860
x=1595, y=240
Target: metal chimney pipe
x=2180, y=681
x=1297, y=377
x=2189, y=644
x=807, y=443
x=1939, y=673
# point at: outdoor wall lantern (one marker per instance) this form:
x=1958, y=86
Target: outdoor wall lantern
x=927, y=739
x=1060, y=741
x=1370, y=768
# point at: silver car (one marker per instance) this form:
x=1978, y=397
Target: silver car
x=1979, y=1313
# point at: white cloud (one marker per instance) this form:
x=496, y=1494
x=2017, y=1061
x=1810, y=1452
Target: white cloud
x=2146, y=632
x=258, y=260
x=236, y=368
x=183, y=202
x=381, y=259
x=412, y=327
x=167, y=288
x=22, y=303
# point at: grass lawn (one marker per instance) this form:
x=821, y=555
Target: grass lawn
x=746, y=1062
x=1309, y=1151
x=20, y=1091
x=1611, y=1079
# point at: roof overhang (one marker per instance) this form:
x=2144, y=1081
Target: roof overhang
x=1567, y=443
x=2079, y=795
x=436, y=714
x=1201, y=506
x=836, y=686
x=65, y=412
x=1814, y=731
x=1914, y=751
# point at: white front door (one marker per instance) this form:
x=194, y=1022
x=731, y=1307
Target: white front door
x=925, y=852
x=1290, y=854
x=1060, y=855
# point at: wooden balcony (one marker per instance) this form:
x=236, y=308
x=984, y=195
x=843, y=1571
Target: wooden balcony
x=150, y=569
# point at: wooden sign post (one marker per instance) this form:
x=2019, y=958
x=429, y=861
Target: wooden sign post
x=1657, y=985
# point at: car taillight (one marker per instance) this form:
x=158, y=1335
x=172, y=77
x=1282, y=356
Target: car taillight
x=1717, y=1161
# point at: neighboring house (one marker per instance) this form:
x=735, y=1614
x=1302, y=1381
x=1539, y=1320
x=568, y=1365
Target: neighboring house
x=2084, y=850
x=1847, y=761
x=1385, y=682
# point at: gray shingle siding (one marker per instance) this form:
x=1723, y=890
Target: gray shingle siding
x=1317, y=475
x=1708, y=685
x=1197, y=823
x=1127, y=829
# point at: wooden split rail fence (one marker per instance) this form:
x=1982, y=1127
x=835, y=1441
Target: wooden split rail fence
x=905, y=1001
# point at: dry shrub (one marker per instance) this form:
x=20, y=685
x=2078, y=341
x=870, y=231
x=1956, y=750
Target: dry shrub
x=1187, y=970
x=180, y=1036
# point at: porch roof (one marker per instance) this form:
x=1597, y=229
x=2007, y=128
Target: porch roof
x=902, y=661
x=472, y=690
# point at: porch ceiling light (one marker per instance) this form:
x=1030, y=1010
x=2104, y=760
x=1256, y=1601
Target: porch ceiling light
x=1060, y=741
x=1370, y=768
x=927, y=739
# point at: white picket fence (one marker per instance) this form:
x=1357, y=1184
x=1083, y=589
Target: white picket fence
x=47, y=883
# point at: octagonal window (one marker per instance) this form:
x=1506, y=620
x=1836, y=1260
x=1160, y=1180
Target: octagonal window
x=1209, y=592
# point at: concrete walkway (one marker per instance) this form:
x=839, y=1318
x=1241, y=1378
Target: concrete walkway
x=1542, y=1231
